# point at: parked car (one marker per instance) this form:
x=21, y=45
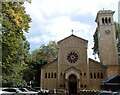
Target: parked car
x=35, y=90
x=106, y=93
x=6, y=93
x=116, y=93
x=61, y=91
x=52, y=92
x=45, y=90
x=38, y=88
x=57, y=92
x=28, y=91
x=13, y=90
x=42, y=90
x=17, y=91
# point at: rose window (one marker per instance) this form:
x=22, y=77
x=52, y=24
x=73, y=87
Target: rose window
x=72, y=57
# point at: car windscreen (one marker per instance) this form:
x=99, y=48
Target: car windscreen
x=23, y=90
x=9, y=90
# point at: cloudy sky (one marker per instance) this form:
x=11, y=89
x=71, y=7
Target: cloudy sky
x=53, y=20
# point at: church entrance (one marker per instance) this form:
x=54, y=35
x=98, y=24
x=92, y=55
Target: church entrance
x=72, y=85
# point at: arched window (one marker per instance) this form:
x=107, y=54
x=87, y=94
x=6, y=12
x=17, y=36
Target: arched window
x=48, y=75
x=91, y=75
x=81, y=73
x=51, y=75
x=103, y=21
x=85, y=86
x=94, y=75
x=109, y=20
x=102, y=75
x=81, y=86
x=98, y=75
x=84, y=74
x=45, y=75
x=106, y=21
x=55, y=75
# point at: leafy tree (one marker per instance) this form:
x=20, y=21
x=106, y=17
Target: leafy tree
x=95, y=48
x=45, y=53
x=117, y=29
x=15, y=78
x=95, y=36
x=15, y=47
x=39, y=57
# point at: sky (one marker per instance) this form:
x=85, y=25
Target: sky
x=53, y=20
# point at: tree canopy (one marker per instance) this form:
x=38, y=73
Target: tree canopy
x=39, y=57
x=19, y=66
x=15, y=47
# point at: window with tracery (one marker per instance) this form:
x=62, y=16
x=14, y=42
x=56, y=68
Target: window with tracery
x=72, y=57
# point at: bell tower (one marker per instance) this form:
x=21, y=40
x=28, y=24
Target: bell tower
x=107, y=42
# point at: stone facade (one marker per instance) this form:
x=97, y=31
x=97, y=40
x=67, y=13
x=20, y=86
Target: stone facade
x=74, y=70
x=107, y=41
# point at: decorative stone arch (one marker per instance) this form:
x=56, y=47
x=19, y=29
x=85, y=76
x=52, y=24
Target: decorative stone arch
x=72, y=71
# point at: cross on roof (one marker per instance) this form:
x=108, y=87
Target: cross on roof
x=72, y=31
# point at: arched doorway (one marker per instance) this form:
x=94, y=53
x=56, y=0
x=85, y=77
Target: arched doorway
x=72, y=85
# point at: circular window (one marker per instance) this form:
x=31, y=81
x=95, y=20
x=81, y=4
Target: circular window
x=72, y=57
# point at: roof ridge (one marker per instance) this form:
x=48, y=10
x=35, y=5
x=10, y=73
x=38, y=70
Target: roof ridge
x=70, y=36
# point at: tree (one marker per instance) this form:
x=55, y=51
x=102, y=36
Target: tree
x=95, y=37
x=95, y=48
x=117, y=29
x=15, y=22
x=39, y=57
x=46, y=53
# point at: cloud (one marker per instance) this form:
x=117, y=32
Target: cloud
x=53, y=7
x=63, y=25
x=54, y=19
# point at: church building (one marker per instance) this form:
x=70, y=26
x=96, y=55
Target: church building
x=73, y=70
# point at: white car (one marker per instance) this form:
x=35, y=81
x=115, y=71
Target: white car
x=107, y=93
x=45, y=90
x=28, y=91
x=38, y=88
x=6, y=93
x=116, y=93
x=17, y=91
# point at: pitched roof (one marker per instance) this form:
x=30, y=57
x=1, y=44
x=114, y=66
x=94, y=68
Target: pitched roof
x=52, y=62
x=96, y=62
x=114, y=79
x=71, y=36
x=72, y=68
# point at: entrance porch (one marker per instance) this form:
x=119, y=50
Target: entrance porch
x=72, y=80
